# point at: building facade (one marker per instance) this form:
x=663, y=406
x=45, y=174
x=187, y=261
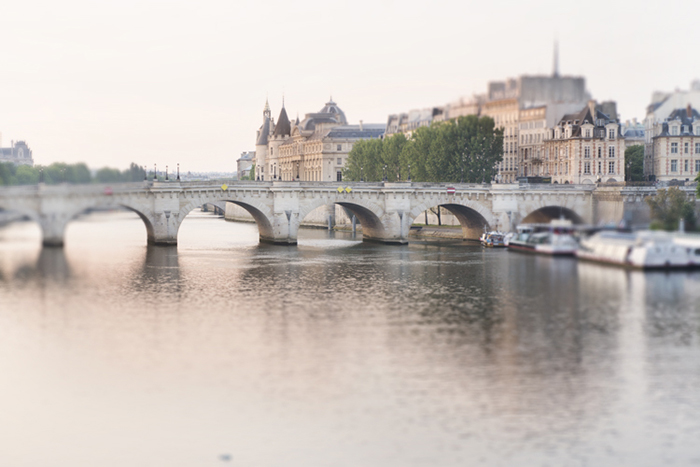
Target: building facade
x=314, y=149
x=244, y=164
x=675, y=146
x=18, y=153
x=663, y=104
x=532, y=129
x=505, y=115
x=585, y=147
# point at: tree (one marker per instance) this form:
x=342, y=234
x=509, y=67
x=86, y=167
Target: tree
x=634, y=163
x=107, y=175
x=668, y=207
x=466, y=149
x=365, y=161
x=134, y=173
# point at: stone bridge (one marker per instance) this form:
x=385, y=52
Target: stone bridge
x=385, y=210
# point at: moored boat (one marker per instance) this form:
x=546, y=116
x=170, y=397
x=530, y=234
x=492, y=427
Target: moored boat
x=644, y=250
x=555, y=238
x=493, y=239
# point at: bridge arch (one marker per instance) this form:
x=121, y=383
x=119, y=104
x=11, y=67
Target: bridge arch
x=473, y=217
x=548, y=213
x=260, y=212
x=367, y=213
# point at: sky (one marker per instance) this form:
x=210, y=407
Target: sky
x=156, y=82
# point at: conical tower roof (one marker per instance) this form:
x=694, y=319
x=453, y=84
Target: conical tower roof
x=284, y=127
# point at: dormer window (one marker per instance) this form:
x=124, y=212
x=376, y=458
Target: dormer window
x=685, y=129
x=674, y=130
x=697, y=130
x=588, y=133
x=611, y=134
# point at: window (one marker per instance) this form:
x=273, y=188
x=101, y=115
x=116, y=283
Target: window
x=587, y=152
x=697, y=148
x=339, y=176
x=685, y=165
x=674, y=165
x=685, y=129
x=611, y=151
x=600, y=153
x=674, y=148
x=674, y=130
x=587, y=168
x=611, y=167
x=588, y=133
x=697, y=130
x=600, y=167
x=611, y=134
x=340, y=147
x=340, y=161
x=697, y=166
x=685, y=148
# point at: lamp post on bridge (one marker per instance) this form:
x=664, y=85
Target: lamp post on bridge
x=362, y=179
x=166, y=174
x=409, y=172
x=178, y=171
x=384, y=179
x=155, y=173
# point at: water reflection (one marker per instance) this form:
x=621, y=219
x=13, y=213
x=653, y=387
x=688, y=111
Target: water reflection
x=337, y=352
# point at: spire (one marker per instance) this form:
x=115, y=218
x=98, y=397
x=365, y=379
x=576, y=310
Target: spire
x=266, y=110
x=555, y=71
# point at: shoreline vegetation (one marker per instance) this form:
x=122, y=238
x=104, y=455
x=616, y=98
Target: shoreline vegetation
x=59, y=172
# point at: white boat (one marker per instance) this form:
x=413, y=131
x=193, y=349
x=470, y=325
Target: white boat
x=691, y=243
x=555, y=238
x=644, y=250
x=494, y=239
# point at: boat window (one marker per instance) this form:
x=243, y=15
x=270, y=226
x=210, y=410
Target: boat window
x=697, y=252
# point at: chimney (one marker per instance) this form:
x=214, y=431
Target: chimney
x=361, y=127
x=689, y=111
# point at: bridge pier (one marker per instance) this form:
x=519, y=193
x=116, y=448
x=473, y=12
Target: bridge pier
x=53, y=228
x=164, y=228
x=282, y=229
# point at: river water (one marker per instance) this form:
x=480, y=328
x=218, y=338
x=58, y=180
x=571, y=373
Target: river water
x=222, y=351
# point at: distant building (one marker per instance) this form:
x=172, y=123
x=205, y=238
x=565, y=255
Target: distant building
x=314, y=149
x=540, y=100
x=675, y=146
x=407, y=123
x=18, y=153
x=634, y=133
x=532, y=130
x=663, y=104
x=585, y=147
x=245, y=163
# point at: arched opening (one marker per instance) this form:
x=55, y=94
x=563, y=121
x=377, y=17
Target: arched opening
x=105, y=223
x=372, y=227
x=341, y=216
x=252, y=214
x=548, y=213
x=472, y=223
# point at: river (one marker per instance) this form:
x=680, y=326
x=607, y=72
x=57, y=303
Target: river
x=222, y=351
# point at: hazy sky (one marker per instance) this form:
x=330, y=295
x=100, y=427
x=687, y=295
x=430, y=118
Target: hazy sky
x=161, y=82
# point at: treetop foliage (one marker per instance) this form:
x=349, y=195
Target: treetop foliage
x=634, y=163
x=668, y=207
x=59, y=172
x=466, y=149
